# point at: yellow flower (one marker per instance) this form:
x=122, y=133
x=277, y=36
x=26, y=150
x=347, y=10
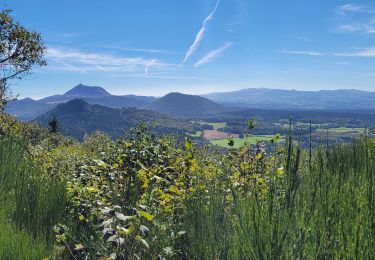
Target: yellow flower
x=280, y=171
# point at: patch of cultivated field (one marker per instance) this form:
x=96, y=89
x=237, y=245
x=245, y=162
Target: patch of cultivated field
x=238, y=142
x=216, y=135
x=197, y=134
x=216, y=126
x=342, y=130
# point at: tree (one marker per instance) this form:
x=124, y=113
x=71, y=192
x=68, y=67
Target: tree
x=20, y=51
x=53, y=125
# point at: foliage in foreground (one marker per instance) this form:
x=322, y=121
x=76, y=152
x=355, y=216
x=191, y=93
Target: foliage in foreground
x=154, y=197
x=31, y=203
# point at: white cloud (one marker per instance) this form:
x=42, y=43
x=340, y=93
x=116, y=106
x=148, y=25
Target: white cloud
x=359, y=53
x=352, y=8
x=148, y=66
x=152, y=76
x=366, y=27
x=354, y=18
x=199, y=36
x=123, y=47
x=75, y=60
x=309, y=53
x=213, y=54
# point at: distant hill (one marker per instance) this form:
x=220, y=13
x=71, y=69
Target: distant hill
x=77, y=117
x=98, y=95
x=28, y=109
x=264, y=98
x=185, y=106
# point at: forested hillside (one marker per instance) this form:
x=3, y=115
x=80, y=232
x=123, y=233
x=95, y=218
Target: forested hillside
x=77, y=118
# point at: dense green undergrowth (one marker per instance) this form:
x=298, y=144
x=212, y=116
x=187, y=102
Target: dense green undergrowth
x=31, y=203
x=155, y=197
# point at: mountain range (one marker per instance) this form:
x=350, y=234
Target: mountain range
x=28, y=109
x=183, y=106
x=84, y=109
x=264, y=98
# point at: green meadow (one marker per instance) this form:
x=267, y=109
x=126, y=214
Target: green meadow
x=238, y=142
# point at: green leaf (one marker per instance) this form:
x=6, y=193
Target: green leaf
x=125, y=231
x=146, y=215
x=188, y=144
x=61, y=237
x=78, y=246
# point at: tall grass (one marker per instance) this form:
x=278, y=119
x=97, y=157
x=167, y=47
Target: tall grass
x=31, y=203
x=10, y=156
x=16, y=244
x=325, y=211
x=39, y=201
x=208, y=226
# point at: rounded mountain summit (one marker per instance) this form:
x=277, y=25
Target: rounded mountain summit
x=184, y=106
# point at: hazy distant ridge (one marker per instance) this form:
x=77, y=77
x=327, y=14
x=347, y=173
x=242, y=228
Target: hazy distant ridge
x=265, y=98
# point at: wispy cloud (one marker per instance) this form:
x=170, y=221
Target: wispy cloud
x=123, y=47
x=213, y=54
x=199, y=36
x=365, y=26
x=145, y=50
x=76, y=60
x=152, y=76
x=355, y=18
x=148, y=66
x=359, y=53
x=309, y=53
x=352, y=8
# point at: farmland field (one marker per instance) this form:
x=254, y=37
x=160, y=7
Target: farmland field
x=342, y=130
x=218, y=135
x=197, y=134
x=215, y=126
x=238, y=142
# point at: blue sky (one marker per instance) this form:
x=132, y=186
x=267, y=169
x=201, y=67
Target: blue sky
x=152, y=47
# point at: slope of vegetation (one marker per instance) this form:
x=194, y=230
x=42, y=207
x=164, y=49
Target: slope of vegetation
x=77, y=118
x=147, y=196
